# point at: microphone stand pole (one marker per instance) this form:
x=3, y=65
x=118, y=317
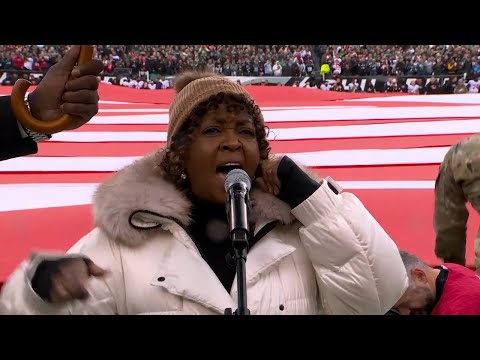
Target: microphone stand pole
x=240, y=244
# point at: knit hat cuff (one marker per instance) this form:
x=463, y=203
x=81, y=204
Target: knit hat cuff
x=196, y=92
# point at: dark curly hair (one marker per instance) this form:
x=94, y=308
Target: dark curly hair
x=173, y=161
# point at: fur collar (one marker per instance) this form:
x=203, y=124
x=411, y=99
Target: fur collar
x=141, y=188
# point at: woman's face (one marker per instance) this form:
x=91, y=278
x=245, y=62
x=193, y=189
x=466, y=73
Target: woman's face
x=224, y=140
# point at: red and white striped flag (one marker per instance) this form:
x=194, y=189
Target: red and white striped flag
x=385, y=148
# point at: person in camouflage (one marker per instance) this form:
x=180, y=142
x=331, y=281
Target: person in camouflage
x=457, y=183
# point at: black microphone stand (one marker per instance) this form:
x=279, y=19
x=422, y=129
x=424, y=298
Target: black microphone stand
x=240, y=244
x=240, y=238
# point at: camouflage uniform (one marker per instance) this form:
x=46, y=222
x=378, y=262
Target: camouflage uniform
x=458, y=182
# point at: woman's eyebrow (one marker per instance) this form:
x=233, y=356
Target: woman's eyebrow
x=222, y=121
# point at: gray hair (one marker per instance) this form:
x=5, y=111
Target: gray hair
x=411, y=261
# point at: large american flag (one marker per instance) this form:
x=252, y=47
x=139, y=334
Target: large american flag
x=385, y=148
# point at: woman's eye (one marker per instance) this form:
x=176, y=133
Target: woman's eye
x=211, y=131
x=248, y=132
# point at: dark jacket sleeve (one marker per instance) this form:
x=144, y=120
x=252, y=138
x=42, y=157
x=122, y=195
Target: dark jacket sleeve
x=11, y=143
x=297, y=186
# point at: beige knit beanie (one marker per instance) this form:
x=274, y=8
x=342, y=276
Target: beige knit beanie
x=194, y=87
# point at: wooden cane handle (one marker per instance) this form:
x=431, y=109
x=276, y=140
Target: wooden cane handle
x=24, y=116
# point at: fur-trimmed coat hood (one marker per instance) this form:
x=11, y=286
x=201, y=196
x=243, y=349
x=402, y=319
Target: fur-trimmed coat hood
x=141, y=190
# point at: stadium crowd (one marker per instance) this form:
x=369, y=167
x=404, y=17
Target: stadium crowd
x=148, y=66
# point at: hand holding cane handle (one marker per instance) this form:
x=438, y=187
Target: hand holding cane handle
x=23, y=114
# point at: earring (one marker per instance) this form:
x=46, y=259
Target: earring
x=183, y=176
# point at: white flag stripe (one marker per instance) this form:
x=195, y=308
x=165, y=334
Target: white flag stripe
x=134, y=110
x=100, y=102
x=433, y=155
x=82, y=164
x=39, y=196
x=441, y=98
x=371, y=113
x=164, y=107
x=322, y=114
x=266, y=108
x=378, y=130
x=165, y=110
x=302, y=133
x=110, y=136
x=119, y=102
x=469, y=98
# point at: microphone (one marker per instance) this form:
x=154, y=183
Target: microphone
x=237, y=187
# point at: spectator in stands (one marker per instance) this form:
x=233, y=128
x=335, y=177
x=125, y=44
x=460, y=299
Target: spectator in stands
x=476, y=67
x=473, y=85
x=277, y=69
x=18, y=61
x=325, y=85
x=28, y=64
x=421, y=86
x=140, y=83
x=353, y=60
x=125, y=81
x=235, y=68
x=133, y=83
x=337, y=67
x=449, y=85
x=369, y=87
x=301, y=67
x=295, y=68
x=449, y=289
x=402, y=85
x=451, y=66
x=391, y=85
x=433, y=87
x=10, y=79
x=102, y=80
x=460, y=87
x=268, y=71
x=210, y=65
x=226, y=68
x=165, y=83
x=309, y=68
x=109, y=67
x=354, y=86
x=338, y=86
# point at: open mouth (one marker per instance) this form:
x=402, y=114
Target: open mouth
x=226, y=168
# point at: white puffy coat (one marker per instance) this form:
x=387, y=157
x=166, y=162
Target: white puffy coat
x=326, y=256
